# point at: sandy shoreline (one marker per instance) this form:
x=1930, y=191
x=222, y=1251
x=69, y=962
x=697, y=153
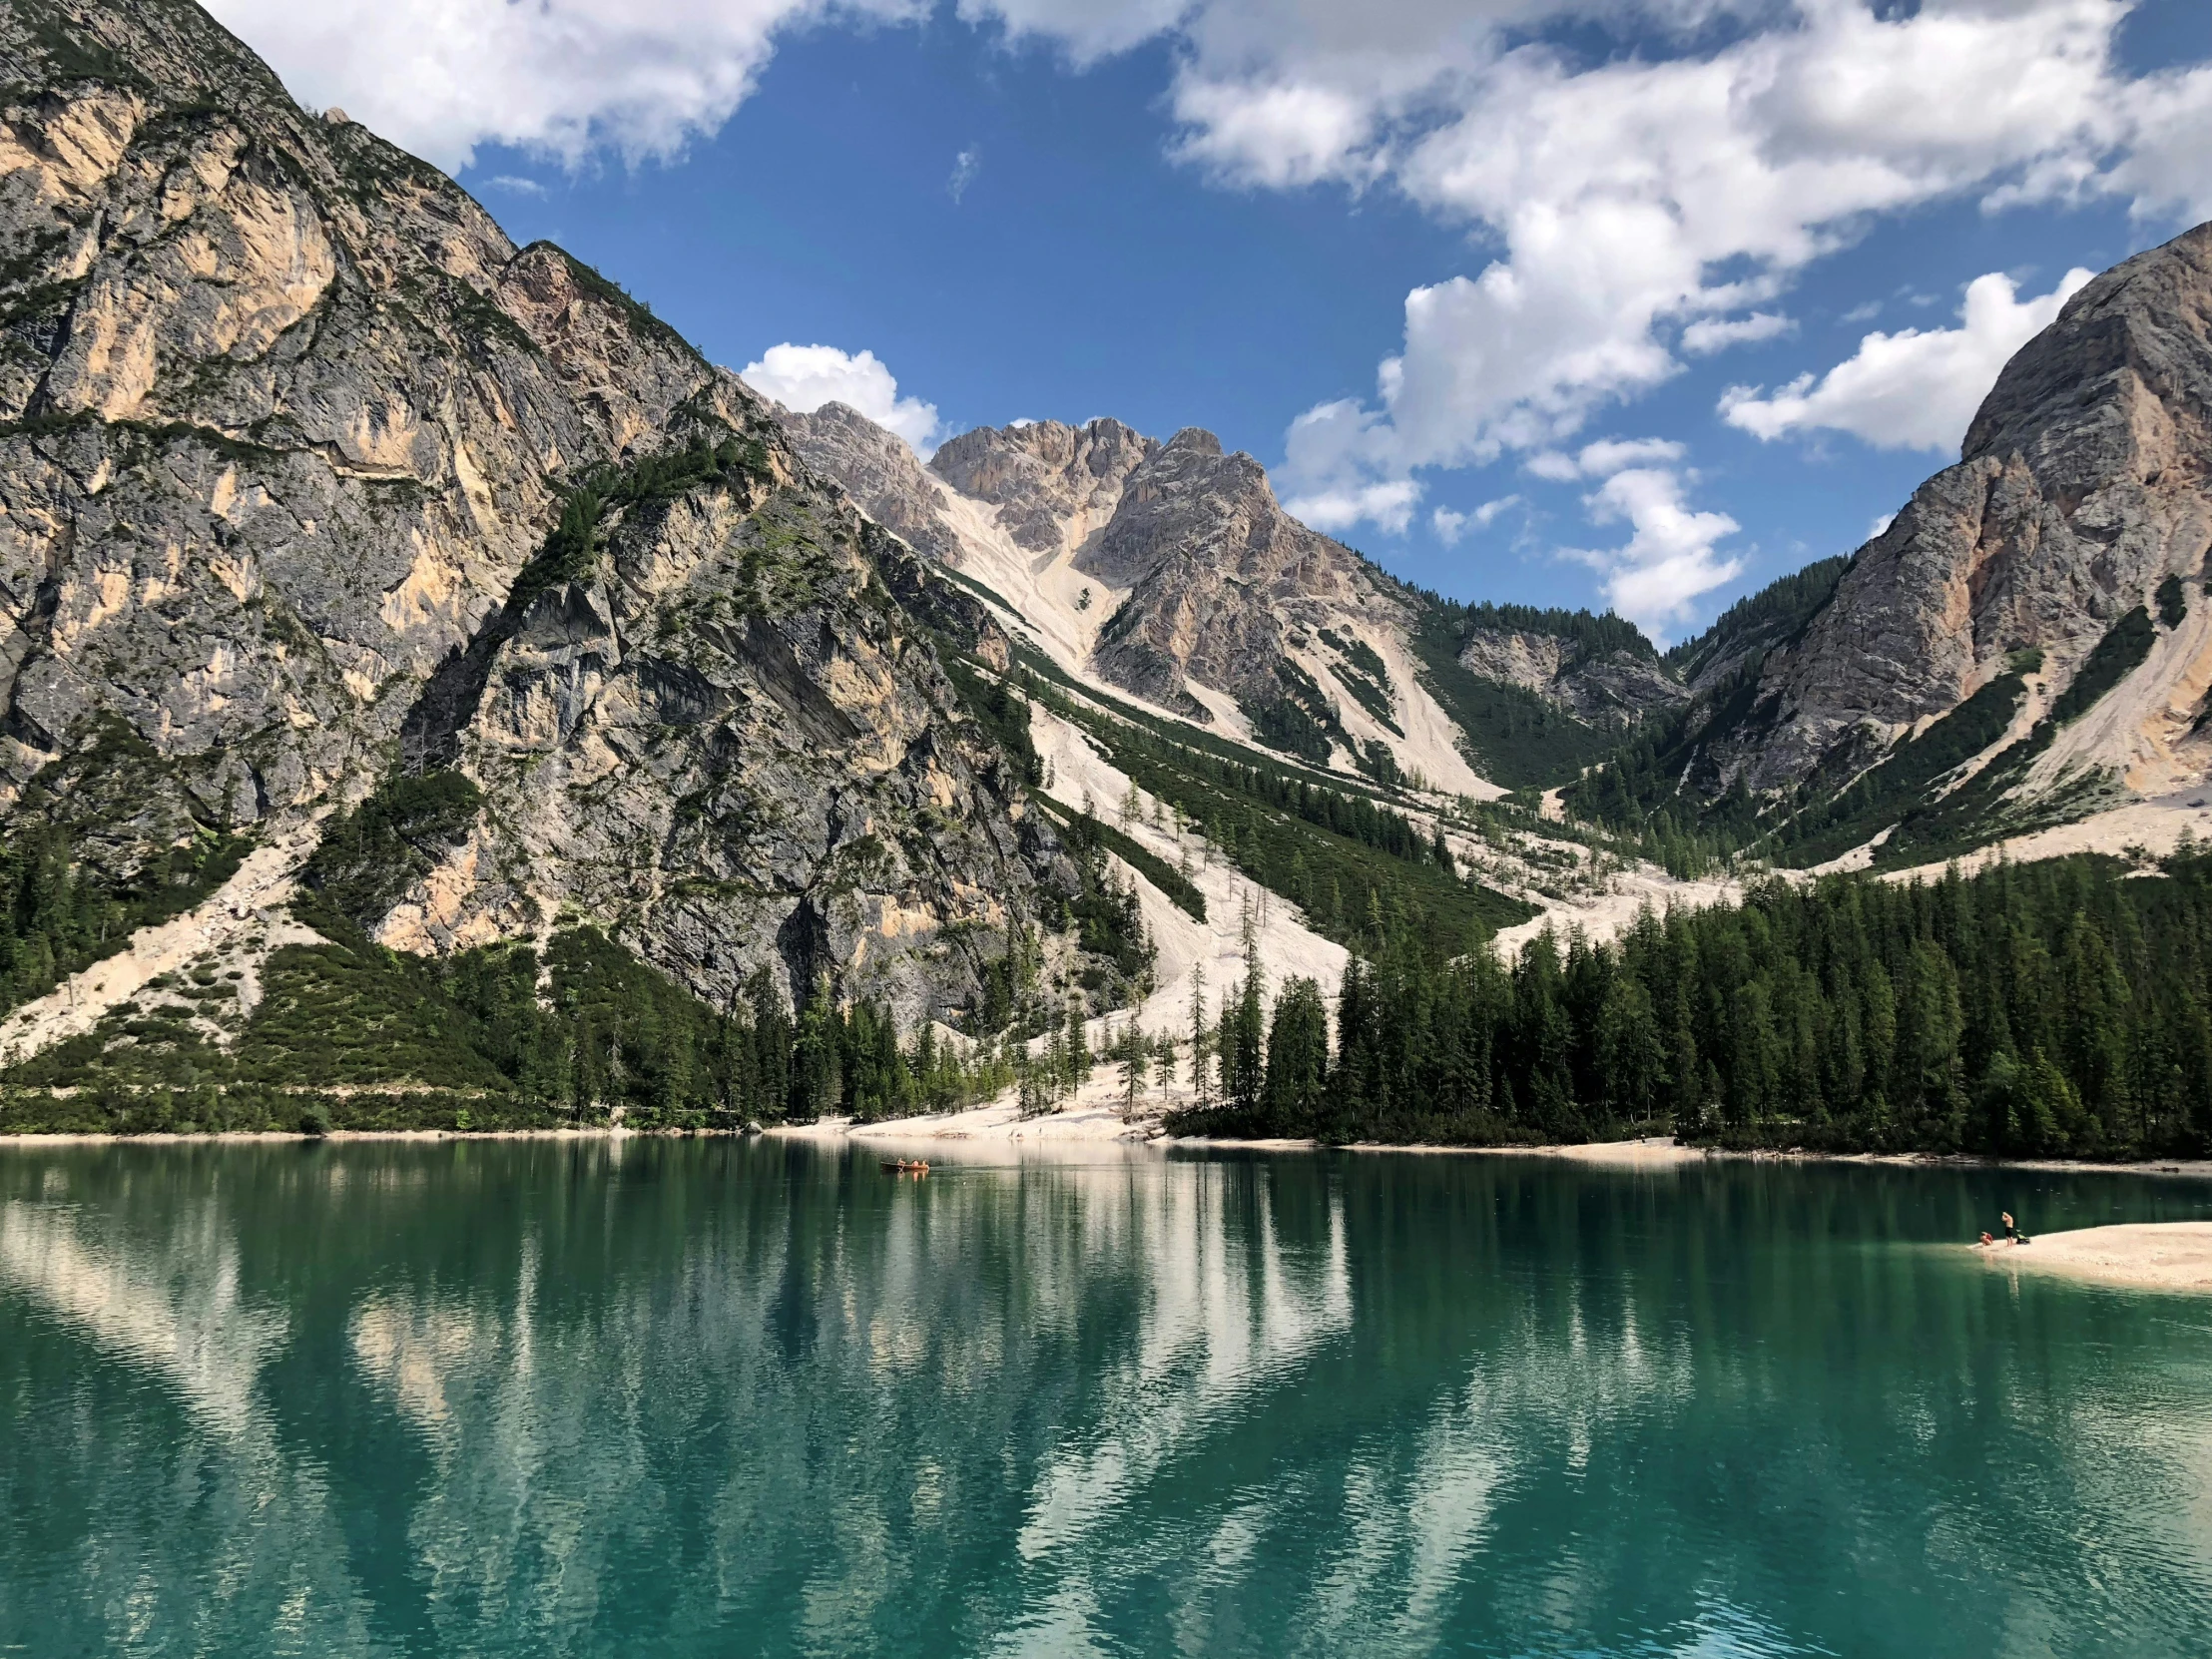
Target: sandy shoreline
x=2160, y=1256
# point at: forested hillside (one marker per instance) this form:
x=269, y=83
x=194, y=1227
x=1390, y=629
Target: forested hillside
x=2059, y=1008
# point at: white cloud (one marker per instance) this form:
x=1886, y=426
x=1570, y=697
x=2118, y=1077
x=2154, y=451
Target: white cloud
x=805, y=378
x=1914, y=390
x=1451, y=525
x=1669, y=559
x=1709, y=335
x=1639, y=198
x=1086, y=30
x=965, y=165
x=1610, y=455
x=1618, y=193
x=1603, y=458
x=1335, y=453
x=2163, y=170
x=516, y=185
x=1387, y=505
x=565, y=77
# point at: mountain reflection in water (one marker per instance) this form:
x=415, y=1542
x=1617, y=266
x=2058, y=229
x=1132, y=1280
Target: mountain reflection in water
x=707, y=1396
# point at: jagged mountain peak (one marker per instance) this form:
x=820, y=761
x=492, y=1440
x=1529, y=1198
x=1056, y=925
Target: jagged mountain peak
x=1053, y=484
x=1197, y=440
x=2081, y=490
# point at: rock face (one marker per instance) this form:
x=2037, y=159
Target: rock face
x=283, y=419
x=1168, y=570
x=1217, y=576
x=1214, y=581
x=1598, y=689
x=1054, y=485
x=877, y=470
x=2082, y=485
x=727, y=731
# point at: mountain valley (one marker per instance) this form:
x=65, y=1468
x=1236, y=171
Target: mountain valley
x=435, y=696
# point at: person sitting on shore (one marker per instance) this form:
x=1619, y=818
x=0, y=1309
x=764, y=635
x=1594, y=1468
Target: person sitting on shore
x=1986, y=1240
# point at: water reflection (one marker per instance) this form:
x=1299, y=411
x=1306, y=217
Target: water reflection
x=662, y=1398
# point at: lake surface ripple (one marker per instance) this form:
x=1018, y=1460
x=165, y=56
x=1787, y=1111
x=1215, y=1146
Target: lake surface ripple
x=676, y=1397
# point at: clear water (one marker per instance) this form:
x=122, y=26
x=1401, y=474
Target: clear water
x=708, y=1397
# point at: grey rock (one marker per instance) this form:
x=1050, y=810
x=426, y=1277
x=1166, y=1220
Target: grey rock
x=2081, y=485
x=284, y=415
x=1053, y=484
x=1600, y=690
x=1218, y=575
x=728, y=744
x=879, y=471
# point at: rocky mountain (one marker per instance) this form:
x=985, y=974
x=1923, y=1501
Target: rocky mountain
x=1169, y=570
x=355, y=559
x=2060, y=562
x=310, y=481
x=1054, y=486
x=879, y=471
x=1600, y=685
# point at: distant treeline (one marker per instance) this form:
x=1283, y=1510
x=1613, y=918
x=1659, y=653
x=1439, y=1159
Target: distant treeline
x=1592, y=634
x=352, y=1035
x=1772, y=615
x=2033, y=1010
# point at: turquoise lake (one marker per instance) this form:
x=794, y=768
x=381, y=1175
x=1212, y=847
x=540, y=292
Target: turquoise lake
x=676, y=1397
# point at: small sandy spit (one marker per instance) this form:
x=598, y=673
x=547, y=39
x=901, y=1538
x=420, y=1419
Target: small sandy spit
x=2162, y=1256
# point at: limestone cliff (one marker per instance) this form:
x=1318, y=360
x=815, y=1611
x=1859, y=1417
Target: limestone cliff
x=1600, y=688
x=2084, y=488
x=290, y=437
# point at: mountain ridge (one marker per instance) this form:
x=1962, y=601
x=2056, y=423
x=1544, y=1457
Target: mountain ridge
x=290, y=429
x=409, y=635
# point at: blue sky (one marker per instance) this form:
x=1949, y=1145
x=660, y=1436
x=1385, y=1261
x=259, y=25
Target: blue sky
x=1603, y=243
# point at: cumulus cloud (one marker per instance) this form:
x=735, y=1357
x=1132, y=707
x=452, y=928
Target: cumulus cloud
x=1709, y=335
x=1670, y=558
x=805, y=378
x=441, y=76
x=1603, y=458
x=1648, y=205
x=1914, y=390
x=1642, y=194
x=2162, y=171
x=1388, y=504
x=1451, y=525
